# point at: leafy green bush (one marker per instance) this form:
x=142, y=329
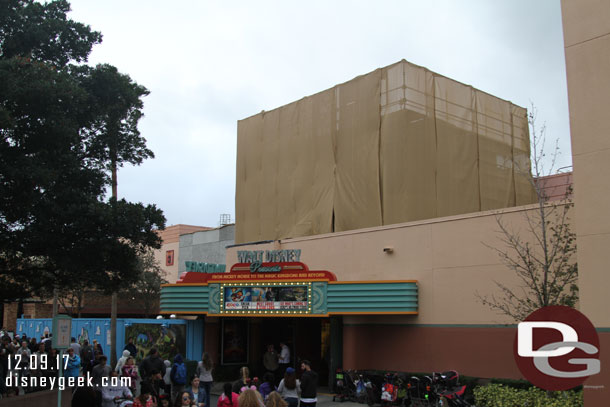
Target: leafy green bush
x=498, y=395
x=514, y=383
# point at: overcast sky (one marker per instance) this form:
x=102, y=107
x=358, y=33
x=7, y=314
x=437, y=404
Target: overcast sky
x=209, y=64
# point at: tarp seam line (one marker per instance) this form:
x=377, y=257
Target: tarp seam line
x=476, y=123
x=435, y=144
x=512, y=151
x=379, y=169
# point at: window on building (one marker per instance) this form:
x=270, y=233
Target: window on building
x=169, y=258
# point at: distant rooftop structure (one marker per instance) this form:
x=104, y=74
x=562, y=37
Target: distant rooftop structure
x=225, y=219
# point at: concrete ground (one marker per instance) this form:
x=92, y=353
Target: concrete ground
x=49, y=398
x=325, y=398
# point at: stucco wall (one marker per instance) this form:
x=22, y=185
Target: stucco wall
x=205, y=247
x=450, y=257
x=170, y=271
x=171, y=241
x=586, y=28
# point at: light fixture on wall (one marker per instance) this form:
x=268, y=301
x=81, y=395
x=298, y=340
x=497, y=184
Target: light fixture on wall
x=159, y=316
x=388, y=250
x=173, y=316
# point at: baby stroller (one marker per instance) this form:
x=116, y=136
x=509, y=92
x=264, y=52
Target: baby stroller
x=362, y=388
x=342, y=391
x=420, y=393
x=446, y=379
x=448, y=389
x=389, y=390
x=373, y=385
x=400, y=381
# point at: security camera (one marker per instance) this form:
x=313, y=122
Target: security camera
x=388, y=249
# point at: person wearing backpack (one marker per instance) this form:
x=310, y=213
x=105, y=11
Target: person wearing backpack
x=86, y=357
x=178, y=376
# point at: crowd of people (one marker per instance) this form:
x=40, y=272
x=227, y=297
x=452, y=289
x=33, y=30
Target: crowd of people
x=155, y=382
x=249, y=392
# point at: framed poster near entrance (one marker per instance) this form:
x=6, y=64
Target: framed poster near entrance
x=234, y=341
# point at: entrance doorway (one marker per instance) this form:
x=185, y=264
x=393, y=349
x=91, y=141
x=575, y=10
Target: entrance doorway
x=307, y=338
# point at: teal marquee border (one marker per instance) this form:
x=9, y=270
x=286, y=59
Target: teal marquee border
x=326, y=298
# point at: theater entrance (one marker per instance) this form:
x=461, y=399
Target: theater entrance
x=307, y=338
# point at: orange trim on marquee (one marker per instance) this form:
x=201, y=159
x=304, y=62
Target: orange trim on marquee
x=372, y=282
x=292, y=315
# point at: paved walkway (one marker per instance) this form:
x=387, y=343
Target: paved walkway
x=325, y=398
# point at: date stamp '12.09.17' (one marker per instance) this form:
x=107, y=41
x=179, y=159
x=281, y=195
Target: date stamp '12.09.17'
x=29, y=373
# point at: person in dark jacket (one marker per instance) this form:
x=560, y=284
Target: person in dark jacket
x=309, y=385
x=131, y=347
x=83, y=397
x=152, y=362
x=86, y=357
x=33, y=346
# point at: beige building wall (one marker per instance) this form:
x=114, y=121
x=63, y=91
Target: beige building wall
x=587, y=46
x=171, y=241
x=450, y=257
x=586, y=27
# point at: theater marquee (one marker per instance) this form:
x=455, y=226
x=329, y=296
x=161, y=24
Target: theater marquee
x=254, y=287
x=266, y=298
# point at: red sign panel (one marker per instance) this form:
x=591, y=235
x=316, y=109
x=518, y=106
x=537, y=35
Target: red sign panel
x=259, y=272
x=169, y=258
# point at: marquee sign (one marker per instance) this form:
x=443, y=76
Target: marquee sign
x=204, y=267
x=275, y=283
x=266, y=298
x=274, y=272
x=270, y=256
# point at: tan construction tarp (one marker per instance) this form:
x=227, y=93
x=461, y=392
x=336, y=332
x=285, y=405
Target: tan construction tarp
x=396, y=145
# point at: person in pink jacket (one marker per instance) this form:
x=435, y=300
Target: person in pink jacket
x=228, y=398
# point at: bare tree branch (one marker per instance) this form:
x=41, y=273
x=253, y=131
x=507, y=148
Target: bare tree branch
x=544, y=260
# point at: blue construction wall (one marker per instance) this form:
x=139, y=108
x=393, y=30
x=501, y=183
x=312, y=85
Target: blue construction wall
x=99, y=329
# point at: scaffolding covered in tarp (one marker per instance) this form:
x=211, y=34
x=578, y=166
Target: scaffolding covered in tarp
x=399, y=144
